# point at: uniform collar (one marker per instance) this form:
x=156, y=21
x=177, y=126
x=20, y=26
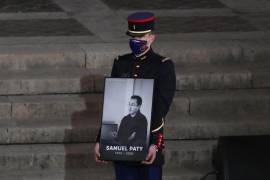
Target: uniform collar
x=144, y=56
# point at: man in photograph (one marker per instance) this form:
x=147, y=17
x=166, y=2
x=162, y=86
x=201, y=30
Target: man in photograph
x=143, y=62
x=133, y=127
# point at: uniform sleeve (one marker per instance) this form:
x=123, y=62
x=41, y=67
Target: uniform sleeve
x=98, y=135
x=114, y=68
x=113, y=74
x=165, y=87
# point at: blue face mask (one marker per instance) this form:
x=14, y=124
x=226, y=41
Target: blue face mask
x=137, y=46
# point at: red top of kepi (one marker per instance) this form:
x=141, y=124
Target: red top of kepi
x=140, y=23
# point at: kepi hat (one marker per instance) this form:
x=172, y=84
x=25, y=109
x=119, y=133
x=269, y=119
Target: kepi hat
x=140, y=23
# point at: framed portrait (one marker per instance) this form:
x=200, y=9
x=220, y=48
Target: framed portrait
x=126, y=119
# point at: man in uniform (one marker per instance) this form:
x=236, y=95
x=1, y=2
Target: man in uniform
x=143, y=62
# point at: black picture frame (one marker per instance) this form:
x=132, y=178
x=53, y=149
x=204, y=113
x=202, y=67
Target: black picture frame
x=126, y=119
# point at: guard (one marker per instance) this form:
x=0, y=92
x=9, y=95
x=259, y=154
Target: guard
x=143, y=62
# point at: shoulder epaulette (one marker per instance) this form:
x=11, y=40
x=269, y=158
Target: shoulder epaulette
x=165, y=59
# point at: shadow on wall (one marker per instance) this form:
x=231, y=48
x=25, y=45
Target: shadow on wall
x=80, y=137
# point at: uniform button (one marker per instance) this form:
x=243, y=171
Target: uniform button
x=138, y=66
x=135, y=75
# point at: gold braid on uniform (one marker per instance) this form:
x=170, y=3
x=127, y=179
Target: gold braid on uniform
x=165, y=59
x=157, y=129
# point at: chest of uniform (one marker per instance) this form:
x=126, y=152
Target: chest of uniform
x=140, y=70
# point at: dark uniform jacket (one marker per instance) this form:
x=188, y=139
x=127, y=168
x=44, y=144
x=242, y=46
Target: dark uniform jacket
x=161, y=69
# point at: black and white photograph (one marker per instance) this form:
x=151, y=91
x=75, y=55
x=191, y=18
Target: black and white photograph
x=126, y=119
